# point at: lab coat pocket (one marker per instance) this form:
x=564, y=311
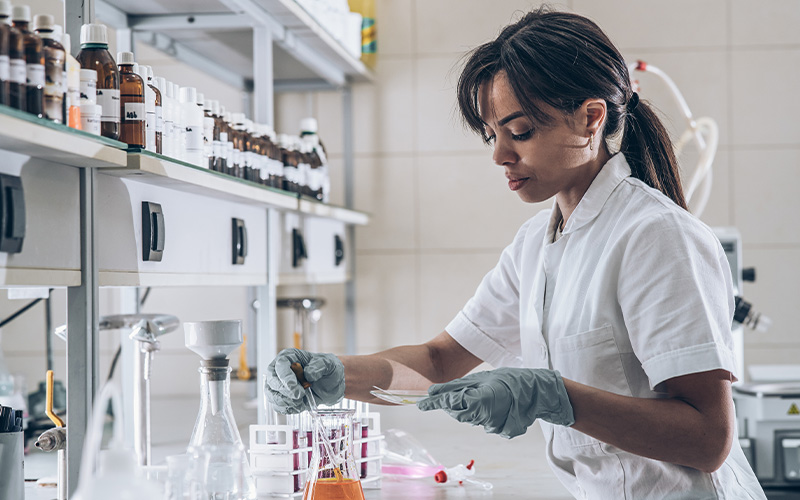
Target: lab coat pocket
x=591, y=358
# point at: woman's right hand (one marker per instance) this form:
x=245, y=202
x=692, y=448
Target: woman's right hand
x=325, y=373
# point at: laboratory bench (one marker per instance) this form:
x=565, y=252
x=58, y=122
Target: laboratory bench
x=517, y=468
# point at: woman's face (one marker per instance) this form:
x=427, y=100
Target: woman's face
x=539, y=160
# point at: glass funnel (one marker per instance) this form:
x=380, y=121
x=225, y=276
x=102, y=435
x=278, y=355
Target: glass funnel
x=216, y=426
x=333, y=474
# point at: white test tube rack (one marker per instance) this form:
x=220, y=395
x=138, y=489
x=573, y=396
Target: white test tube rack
x=280, y=454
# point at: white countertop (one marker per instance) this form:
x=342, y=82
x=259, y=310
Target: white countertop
x=517, y=468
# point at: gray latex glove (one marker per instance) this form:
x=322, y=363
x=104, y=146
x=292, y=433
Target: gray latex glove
x=504, y=401
x=325, y=373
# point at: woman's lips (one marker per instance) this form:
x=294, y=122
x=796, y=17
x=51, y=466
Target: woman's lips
x=516, y=184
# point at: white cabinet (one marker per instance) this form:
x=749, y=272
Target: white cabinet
x=196, y=240
x=312, y=250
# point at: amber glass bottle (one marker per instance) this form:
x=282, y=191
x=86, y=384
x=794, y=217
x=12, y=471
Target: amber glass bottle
x=34, y=61
x=94, y=55
x=131, y=98
x=16, y=63
x=5, y=61
x=55, y=67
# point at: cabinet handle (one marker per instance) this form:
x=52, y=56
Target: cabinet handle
x=12, y=205
x=298, y=248
x=338, y=253
x=153, y=232
x=238, y=241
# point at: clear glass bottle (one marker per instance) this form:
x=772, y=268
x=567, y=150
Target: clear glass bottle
x=55, y=67
x=215, y=424
x=333, y=472
x=153, y=83
x=149, y=110
x=34, y=61
x=16, y=61
x=131, y=101
x=73, y=93
x=5, y=61
x=94, y=55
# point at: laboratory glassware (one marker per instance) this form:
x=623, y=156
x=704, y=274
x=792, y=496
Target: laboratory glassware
x=215, y=425
x=333, y=473
x=34, y=60
x=94, y=55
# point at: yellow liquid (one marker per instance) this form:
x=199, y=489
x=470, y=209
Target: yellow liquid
x=333, y=489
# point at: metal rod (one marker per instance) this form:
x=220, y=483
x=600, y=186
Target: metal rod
x=141, y=405
x=349, y=200
x=263, y=93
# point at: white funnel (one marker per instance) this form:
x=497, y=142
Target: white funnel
x=213, y=339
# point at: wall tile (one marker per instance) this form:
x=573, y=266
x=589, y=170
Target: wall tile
x=386, y=289
x=763, y=85
x=764, y=23
x=385, y=188
x=702, y=78
x=438, y=124
x=765, y=196
x=457, y=26
x=394, y=27
x=465, y=203
x=656, y=24
x=447, y=281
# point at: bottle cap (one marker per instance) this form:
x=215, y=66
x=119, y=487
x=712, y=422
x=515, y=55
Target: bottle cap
x=91, y=109
x=207, y=106
x=200, y=99
x=66, y=41
x=149, y=73
x=58, y=32
x=125, y=58
x=94, y=33
x=188, y=94
x=308, y=126
x=88, y=75
x=237, y=118
x=43, y=22
x=5, y=8
x=21, y=13
x=161, y=83
x=141, y=70
x=170, y=89
x=135, y=68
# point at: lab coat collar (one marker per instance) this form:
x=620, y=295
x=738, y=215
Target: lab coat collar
x=610, y=176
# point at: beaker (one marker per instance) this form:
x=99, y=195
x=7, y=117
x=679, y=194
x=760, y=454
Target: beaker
x=333, y=474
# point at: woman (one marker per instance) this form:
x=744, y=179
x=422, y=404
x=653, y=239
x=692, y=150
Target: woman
x=609, y=315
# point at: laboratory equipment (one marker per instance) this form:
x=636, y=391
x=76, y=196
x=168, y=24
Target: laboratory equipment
x=55, y=439
x=213, y=341
x=461, y=474
x=704, y=132
x=307, y=313
x=333, y=473
x=11, y=453
x=397, y=396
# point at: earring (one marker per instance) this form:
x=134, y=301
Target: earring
x=591, y=141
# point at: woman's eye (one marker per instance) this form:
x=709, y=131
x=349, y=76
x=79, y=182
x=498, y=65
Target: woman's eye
x=489, y=139
x=523, y=136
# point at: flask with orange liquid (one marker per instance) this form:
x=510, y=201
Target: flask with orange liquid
x=333, y=474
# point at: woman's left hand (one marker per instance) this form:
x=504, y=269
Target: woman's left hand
x=504, y=401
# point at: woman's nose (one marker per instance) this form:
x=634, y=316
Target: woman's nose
x=503, y=154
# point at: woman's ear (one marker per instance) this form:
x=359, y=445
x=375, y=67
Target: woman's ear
x=593, y=113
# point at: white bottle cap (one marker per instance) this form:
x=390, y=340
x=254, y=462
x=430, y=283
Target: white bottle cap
x=170, y=89
x=200, y=99
x=237, y=118
x=141, y=70
x=125, y=58
x=88, y=75
x=161, y=83
x=149, y=73
x=21, y=13
x=66, y=41
x=58, y=32
x=215, y=107
x=207, y=106
x=5, y=8
x=308, y=125
x=94, y=33
x=91, y=109
x=188, y=94
x=43, y=22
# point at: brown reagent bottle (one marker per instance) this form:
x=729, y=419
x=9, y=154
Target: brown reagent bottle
x=55, y=67
x=94, y=55
x=5, y=61
x=34, y=61
x=16, y=60
x=131, y=102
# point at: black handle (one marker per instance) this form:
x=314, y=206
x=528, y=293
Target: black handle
x=153, y=232
x=13, y=214
x=298, y=248
x=338, y=252
x=238, y=241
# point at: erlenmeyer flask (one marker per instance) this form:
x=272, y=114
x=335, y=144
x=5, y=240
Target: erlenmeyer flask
x=333, y=474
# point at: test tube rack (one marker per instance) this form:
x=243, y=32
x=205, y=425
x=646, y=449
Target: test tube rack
x=280, y=453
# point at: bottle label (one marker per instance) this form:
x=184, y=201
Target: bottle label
x=18, y=70
x=134, y=112
x=88, y=91
x=5, y=68
x=159, y=119
x=150, y=121
x=35, y=75
x=223, y=137
x=109, y=100
x=54, y=82
x=194, y=139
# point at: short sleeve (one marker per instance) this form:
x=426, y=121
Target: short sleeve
x=676, y=295
x=488, y=325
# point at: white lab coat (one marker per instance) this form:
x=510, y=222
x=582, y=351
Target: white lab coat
x=636, y=291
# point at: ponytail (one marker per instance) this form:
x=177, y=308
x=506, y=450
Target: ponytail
x=649, y=152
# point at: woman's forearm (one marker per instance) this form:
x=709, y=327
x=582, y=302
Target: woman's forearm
x=694, y=433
